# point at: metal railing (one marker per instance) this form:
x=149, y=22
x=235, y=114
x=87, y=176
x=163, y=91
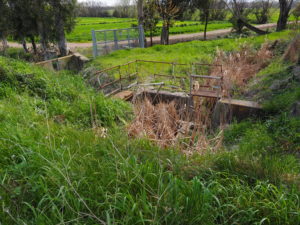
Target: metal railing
x=178, y=76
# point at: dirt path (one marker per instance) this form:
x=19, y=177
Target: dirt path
x=173, y=38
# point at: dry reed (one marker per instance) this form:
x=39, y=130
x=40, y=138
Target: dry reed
x=241, y=66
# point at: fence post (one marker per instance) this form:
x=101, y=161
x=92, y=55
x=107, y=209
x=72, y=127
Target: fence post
x=95, y=49
x=128, y=38
x=116, y=39
x=141, y=36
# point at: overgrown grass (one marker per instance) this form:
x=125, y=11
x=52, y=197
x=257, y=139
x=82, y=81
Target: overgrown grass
x=55, y=168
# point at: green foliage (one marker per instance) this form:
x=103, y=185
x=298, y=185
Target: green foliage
x=64, y=94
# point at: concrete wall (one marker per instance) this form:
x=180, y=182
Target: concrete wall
x=74, y=62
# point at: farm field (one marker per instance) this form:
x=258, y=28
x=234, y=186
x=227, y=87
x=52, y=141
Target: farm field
x=82, y=31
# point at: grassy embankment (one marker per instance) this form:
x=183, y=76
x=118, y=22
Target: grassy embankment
x=57, y=167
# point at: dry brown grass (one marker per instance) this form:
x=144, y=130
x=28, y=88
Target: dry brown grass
x=239, y=67
x=163, y=125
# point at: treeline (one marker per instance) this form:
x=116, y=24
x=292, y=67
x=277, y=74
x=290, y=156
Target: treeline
x=45, y=21
x=238, y=11
x=94, y=8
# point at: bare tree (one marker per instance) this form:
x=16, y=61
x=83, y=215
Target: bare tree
x=92, y=8
x=204, y=6
x=151, y=18
x=218, y=10
x=262, y=10
x=240, y=10
x=285, y=8
x=168, y=11
x=126, y=9
x=296, y=12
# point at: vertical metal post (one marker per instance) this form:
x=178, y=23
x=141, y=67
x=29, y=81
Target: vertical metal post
x=193, y=68
x=120, y=78
x=105, y=43
x=95, y=49
x=128, y=37
x=141, y=36
x=191, y=84
x=222, y=81
x=173, y=70
x=116, y=39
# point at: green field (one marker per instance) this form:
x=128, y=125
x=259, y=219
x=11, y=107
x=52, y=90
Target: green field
x=82, y=31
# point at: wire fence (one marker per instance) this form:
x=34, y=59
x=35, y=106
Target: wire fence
x=106, y=41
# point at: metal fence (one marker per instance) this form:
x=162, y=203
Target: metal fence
x=106, y=41
x=170, y=76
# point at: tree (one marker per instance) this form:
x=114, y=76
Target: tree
x=296, y=12
x=126, y=9
x=262, y=10
x=204, y=6
x=240, y=11
x=4, y=22
x=140, y=8
x=150, y=18
x=24, y=22
x=92, y=8
x=168, y=9
x=64, y=14
x=285, y=7
x=218, y=10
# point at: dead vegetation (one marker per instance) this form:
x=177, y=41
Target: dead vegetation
x=241, y=66
x=163, y=124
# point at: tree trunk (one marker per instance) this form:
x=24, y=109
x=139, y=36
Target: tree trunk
x=43, y=39
x=61, y=38
x=253, y=28
x=165, y=34
x=151, y=38
x=285, y=8
x=24, y=44
x=140, y=8
x=4, y=43
x=205, y=27
x=33, y=44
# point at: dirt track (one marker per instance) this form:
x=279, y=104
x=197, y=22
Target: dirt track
x=173, y=38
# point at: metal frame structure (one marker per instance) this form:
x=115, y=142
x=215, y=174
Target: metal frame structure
x=112, y=39
x=173, y=76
